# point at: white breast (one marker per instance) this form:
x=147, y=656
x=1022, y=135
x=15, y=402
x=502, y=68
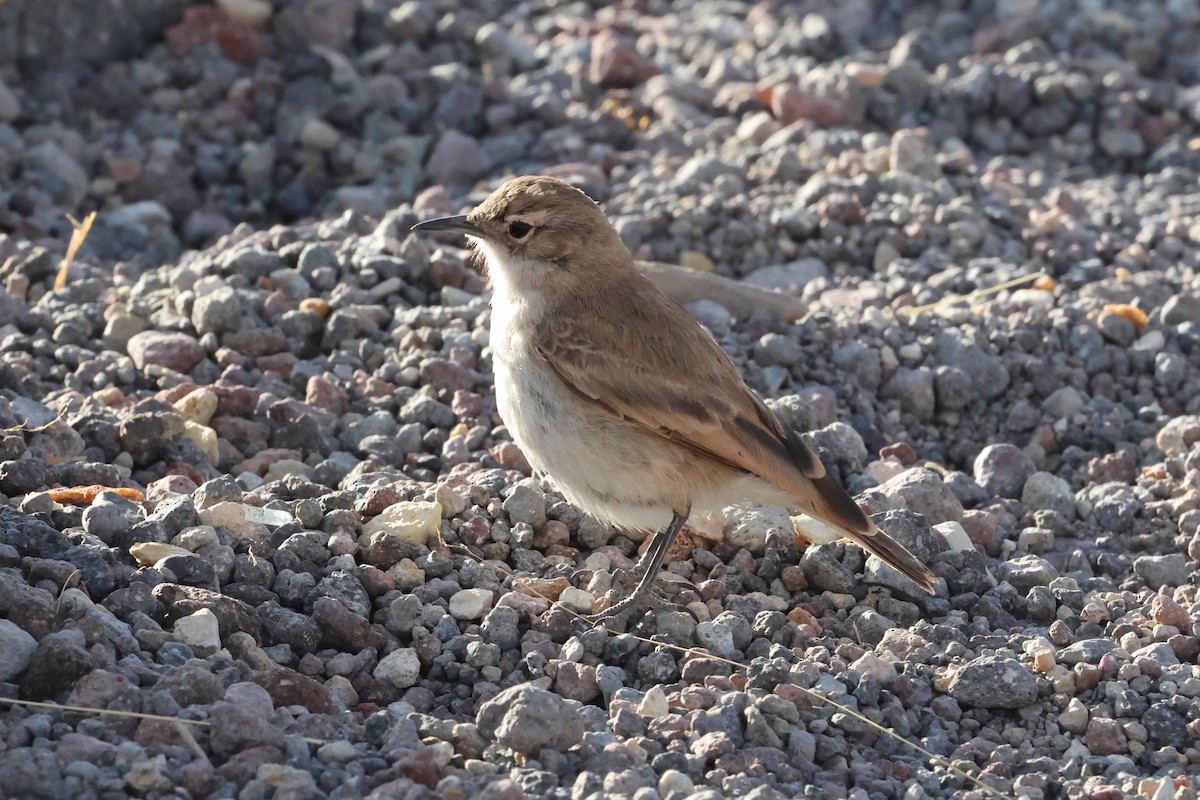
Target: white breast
x=600, y=463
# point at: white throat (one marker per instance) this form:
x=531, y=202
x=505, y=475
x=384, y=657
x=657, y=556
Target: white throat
x=516, y=281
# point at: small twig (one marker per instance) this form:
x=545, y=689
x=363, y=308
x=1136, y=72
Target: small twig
x=62, y=412
x=977, y=293
x=77, y=236
x=112, y=712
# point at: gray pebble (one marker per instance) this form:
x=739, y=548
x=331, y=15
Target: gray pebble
x=1162, y=571
x=528, y=719
x=1002, y=469
x=1045, y=491
x=994, y=682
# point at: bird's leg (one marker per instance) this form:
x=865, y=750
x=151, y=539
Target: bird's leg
x=649, y=565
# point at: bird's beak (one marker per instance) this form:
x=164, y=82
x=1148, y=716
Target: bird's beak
x=452, y=224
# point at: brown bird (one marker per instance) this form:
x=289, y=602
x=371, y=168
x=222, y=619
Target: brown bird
x=614, y=391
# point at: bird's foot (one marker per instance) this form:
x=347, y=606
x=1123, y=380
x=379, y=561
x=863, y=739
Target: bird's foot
x=625, y=613
x=643, y=597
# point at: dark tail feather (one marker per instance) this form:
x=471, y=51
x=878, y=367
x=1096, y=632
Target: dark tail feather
x=830, y=503
x=896, y=556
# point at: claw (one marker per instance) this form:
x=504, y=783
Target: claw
x=642, y=598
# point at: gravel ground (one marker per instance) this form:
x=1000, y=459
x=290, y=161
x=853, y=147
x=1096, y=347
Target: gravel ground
x=320, y=572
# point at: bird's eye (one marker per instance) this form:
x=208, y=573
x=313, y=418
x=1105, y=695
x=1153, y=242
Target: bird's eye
x=518, y=229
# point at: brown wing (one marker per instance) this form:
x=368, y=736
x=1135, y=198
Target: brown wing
x=653, y=383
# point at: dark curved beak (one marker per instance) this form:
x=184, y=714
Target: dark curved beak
x=447, y=224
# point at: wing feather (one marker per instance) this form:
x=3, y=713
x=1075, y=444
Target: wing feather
x=653, y=384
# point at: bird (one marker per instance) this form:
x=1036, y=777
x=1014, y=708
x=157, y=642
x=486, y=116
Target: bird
x=615, y=391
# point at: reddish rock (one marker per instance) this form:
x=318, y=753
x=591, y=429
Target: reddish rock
x=1166, y=611
x=1087, y=676
x=181, y=475
x=1104, y=737
x=103, y=689
x=122, y=170
x=793, y=578
x=175, y=351
x=235, y=401
x=246, y=435
x=169, y=486
x=243, y=766
x=326, y=395
x=259, y=462
x=714, y=744
x=531, y=605
x=201, y=24
x=902, y=451
x=420, y=768
x=74, y=747
x=383, y=550
x=166, y=179
x=375, y=581
x=196, y=777
x=510, y=456
x=279, y=363
x=466, y=405
x=476, y=532
x=698, y=669
x=257, y=342
x=1061, y=634
x=576, y=681
x=1117, y=466
x=191, y=684
x=456, y=159
x=342, y=629
x=433, y=201
x=444, y=375
x=290, y=688
x=553, y=533
x=376, y=500
x=616, y=63
x=789, y=104
x=152, y=732
x=1186, y=648
x=981, y=528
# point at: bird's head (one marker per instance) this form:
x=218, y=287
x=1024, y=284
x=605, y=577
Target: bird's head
x=537, y=231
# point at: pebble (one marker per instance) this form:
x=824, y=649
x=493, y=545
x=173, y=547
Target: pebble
x=174, y=351
x=993, y=682
x=528, y=719
x=1168, y=571
x=921, y=490
x=401, y=668
x=16, y=650
x=526, y=504
x=470, y=603
x=1002, y=469
x=455, y=159
x=1043, y=491
x=914, y=390
x=199, y=630
x=413, y=521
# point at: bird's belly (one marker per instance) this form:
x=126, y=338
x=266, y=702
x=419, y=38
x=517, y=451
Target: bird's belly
x=606, y=466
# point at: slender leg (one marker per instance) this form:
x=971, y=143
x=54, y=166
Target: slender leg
x=651, y=562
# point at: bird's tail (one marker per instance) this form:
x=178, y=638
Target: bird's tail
x=837, y=516
x=875, y=541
